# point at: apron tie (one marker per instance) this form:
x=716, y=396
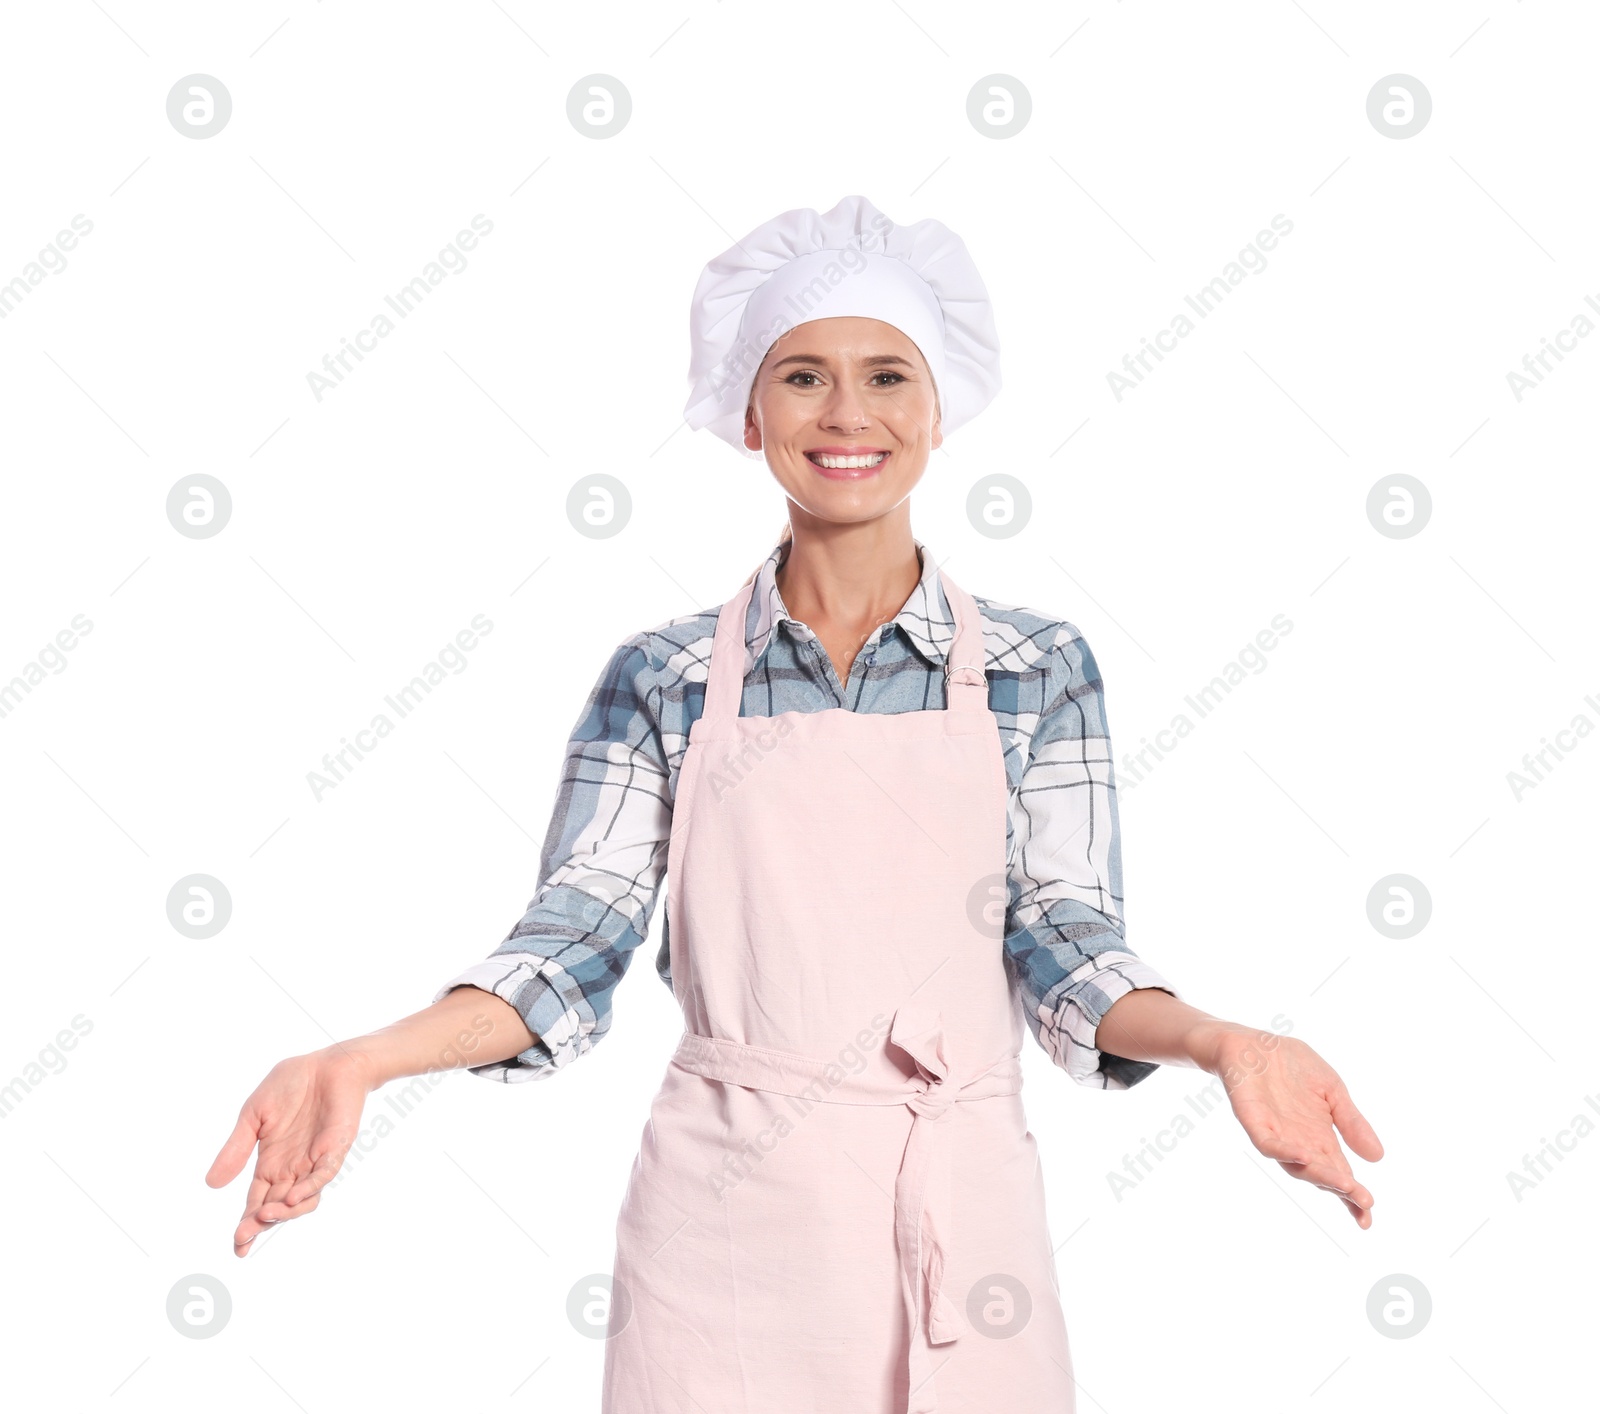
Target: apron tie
x=922, y=1257
x=931, y=1093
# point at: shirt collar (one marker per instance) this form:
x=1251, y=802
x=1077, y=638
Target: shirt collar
x=925, y=617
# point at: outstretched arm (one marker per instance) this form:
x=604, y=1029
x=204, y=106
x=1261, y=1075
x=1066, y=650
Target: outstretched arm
x=307, y=1112
x=1291, y=1102
x=542, y=998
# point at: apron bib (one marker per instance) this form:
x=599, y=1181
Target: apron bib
x=837, y=1207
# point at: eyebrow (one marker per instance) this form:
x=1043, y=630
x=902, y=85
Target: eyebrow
x=874, y=359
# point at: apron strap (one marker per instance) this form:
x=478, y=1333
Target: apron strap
x=729, y=659
x=966, y=686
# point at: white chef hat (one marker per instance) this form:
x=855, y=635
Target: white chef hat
x=852, y=260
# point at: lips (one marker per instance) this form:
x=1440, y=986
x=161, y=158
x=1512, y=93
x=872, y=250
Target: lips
x=847, y=463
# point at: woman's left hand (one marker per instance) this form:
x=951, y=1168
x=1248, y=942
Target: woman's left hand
x=1290, y=1101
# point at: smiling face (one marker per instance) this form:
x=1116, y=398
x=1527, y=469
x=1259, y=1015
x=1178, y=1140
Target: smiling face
x=846, y=412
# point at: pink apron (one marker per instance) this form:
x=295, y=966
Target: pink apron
x=837, y=1207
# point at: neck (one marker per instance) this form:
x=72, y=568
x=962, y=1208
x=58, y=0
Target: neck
x=853, y=576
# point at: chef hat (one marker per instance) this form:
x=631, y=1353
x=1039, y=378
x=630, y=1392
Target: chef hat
x=852, y=260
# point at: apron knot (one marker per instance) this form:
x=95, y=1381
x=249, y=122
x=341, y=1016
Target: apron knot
x=933, y=1103
x=919, y=1032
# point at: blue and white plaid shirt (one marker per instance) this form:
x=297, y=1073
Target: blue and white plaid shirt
x=605, y=852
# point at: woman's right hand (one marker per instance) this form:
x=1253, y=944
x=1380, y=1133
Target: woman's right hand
x=304, y=1116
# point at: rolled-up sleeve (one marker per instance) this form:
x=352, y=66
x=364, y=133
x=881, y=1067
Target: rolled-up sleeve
x=601, y=868
x=1065, y=939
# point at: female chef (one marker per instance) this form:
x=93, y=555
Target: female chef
x=888, y=813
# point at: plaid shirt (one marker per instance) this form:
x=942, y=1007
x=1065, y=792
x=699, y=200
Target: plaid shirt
x=605, y=852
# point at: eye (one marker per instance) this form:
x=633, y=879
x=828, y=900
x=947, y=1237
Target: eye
x=810, y=373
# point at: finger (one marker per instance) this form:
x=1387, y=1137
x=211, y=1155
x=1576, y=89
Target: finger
x=1363, y=1216
x=255, y=1195
x=261, y=1192
x=1330, y=1171
x=1314, y=1146
x=314, y=1182
x=1353, y=1126
x=1355, y=1196
x=246, y=1233
x=236, y=1150
x=279, y=1212
x=1356, y=1200
x=251, y=1225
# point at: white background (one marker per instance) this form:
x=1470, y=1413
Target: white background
x=369, y=527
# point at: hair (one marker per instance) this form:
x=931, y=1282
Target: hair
x=787, y=533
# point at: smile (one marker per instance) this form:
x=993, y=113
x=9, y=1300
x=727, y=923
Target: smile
x=842, y=465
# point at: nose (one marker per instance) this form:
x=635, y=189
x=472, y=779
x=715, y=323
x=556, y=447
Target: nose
x=844, y=411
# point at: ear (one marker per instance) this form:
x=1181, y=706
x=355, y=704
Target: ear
x=752, y=433
x=938, y=432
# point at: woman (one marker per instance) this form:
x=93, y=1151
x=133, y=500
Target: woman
x=889, y=816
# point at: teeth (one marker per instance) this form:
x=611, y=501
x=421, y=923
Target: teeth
x=846, y=463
